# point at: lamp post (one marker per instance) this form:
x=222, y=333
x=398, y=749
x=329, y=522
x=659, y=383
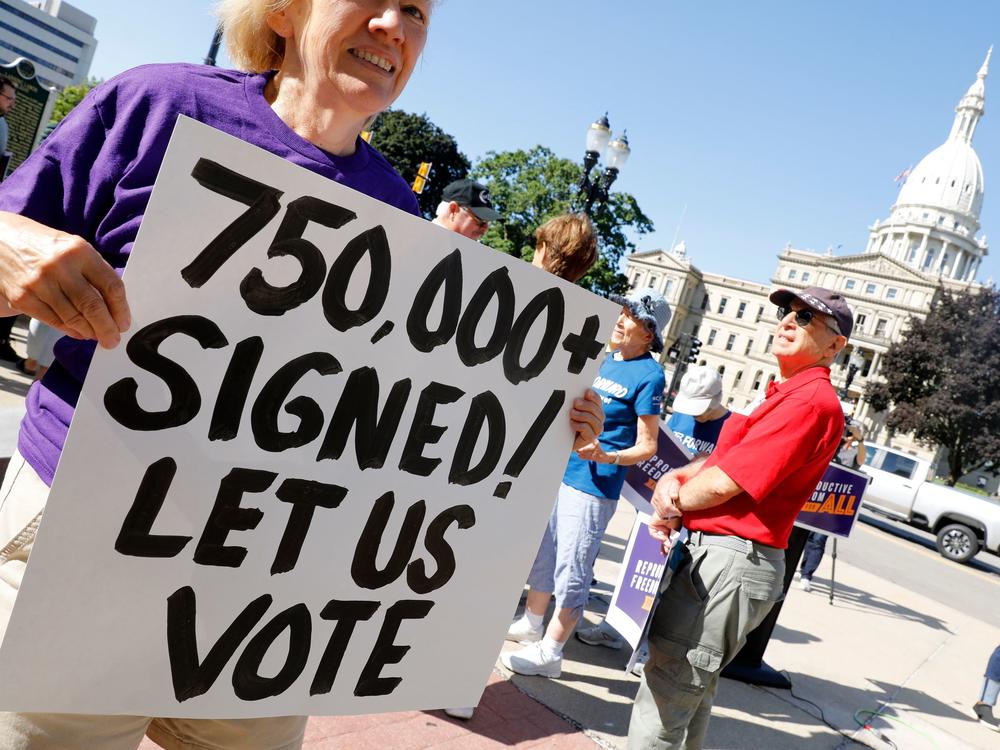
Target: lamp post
x=854, y=363
x=213, y=48
x=614, y=152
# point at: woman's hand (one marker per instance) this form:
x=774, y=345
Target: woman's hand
x=586, y=417
x=594, y=452
x=59, y=279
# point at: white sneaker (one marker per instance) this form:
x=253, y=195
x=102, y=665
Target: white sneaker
x=521, y=632
x=531, y=660
x=597, y=635
x=465, y=713
x=798, y=574
x=805, y=584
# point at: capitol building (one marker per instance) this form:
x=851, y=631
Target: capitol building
x=930, y=242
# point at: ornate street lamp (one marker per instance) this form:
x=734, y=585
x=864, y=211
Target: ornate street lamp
x=854, y=363
x=615, y=153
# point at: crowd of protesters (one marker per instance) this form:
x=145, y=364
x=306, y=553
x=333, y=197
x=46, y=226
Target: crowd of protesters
x=313, y=76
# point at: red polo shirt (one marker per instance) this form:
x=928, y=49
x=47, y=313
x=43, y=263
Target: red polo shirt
x=777, y=454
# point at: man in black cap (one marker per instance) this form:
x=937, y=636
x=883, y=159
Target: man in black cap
x=739, y=505
x=466, y=208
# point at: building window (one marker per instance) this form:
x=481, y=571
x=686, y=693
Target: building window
x=867, y=368
x=704, y=302
x=805, y=276
x=859, y=322
x=738, y=378
x=792, y=274
x=849, y=284
x=870, y=289
x=760, y=313
x=722, y=369
x=741, y=309
x=711, y=337
x=749, y=347
x=756, y=380
x=730, y=342
x=880, y=326
x=767, y=346
x=722, y=305
x=694, y=330
x=669, y=288
x=653, y=281
x=891, y=293
x=770, y=379
x=929, y=258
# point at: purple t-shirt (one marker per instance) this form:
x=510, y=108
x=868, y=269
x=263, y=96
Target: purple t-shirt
x=93, y=177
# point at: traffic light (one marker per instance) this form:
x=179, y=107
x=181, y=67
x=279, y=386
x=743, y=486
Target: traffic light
x=673, y=352
x=421, y=180
x=692, y=356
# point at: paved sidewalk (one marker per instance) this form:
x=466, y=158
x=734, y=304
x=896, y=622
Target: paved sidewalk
x=505, y=718
x=913, y=662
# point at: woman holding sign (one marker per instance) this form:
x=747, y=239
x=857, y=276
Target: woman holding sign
x=313, y=74
x=631, y=385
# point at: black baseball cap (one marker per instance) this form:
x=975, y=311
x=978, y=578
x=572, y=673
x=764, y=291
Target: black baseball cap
x=473, y=196
x=821, y=300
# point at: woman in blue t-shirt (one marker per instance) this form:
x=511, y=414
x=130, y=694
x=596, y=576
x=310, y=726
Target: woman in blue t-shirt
x=630, y=385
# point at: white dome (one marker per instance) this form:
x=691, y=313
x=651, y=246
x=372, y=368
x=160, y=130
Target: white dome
x=950, y=177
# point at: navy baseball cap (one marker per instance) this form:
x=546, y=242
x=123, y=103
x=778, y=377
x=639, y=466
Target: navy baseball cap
x=474, y=196
x=821, y=300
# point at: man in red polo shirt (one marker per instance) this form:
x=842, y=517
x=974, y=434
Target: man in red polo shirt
x=739, y=504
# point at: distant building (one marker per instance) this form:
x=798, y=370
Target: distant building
x=929, y=242
x=54, y=35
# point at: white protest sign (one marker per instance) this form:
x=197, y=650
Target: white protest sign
x=313, y=477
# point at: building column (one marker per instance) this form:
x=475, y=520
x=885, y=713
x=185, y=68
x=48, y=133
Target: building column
x=945, y=247
x=970, y=273
x=922, y=249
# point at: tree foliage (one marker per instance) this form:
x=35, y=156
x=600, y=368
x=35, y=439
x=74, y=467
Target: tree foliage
x=530, y=187
x=69, y=97
x=942, y=380
x=406, y=140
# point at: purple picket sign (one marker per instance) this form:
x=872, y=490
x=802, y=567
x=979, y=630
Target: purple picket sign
x=834, y=504
x=640, y=480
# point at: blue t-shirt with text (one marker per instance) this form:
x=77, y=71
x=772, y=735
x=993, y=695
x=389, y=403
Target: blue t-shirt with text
x=697, y=437
x=629, y=389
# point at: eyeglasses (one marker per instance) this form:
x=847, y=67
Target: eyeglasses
x=8, y=97
x=804, y=317
x=480, y=223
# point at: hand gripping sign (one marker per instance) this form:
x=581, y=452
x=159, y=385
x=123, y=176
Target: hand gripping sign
x=316, y=457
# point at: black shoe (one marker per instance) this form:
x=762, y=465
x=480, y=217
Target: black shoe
x=7, y=353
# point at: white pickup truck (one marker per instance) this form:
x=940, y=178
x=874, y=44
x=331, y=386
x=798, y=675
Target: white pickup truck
x=899, y=488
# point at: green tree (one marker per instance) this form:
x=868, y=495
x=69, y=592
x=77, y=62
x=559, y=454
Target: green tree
x=530, y=187
x=69, y=97
x=942, y=380
x=406, y=140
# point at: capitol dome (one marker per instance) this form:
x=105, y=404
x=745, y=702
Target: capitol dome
x=934, y=223
x=950, y=177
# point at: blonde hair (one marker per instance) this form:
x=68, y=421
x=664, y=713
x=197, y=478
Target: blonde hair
x=570, y=245
x=252, y=44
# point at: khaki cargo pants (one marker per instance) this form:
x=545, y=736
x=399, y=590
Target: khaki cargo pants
x=22, y=499
x=723, y=592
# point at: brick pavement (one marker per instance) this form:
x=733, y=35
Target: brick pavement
x=505, y=718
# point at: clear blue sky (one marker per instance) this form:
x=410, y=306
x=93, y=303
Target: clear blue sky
x=771, y=121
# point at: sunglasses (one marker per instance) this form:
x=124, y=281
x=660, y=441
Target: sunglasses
x=804, y=318
x=480, y=223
